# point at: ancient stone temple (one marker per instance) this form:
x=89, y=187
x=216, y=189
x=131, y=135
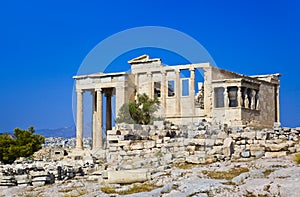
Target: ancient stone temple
x=187, y=93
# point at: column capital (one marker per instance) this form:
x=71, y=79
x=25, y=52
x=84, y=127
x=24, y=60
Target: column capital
x=192, y=69
x=79, y=90
x=98, y=89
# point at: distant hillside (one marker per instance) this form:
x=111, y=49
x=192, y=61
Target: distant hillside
x=65, y=132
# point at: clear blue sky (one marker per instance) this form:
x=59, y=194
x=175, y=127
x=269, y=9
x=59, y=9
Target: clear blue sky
x=42, y=44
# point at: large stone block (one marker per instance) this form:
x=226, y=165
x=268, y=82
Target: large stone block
x=112, y=138
x=277, y=147
x=192, y=159
x=149, y=144
x=38, y=173
x=128, y=176
x=275, y=154
x=248, y=135
x=136, y=146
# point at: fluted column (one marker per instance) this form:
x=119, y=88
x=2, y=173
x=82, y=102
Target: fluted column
x=93, y=117
x=79, y=119
x=163, y=92
x=98, y=128
x=177, y=86
x=192, y=89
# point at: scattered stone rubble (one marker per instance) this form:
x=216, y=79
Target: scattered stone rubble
x=266, y=177
x=40, y=173
x=152, y=153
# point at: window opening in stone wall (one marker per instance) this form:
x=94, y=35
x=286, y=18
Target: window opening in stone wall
x=185, y=87
x=157, y=89
x=199, y=80
x=199, y=98
x=199, y=88
x=219, y=97
x=232, y=95
x=171, y=88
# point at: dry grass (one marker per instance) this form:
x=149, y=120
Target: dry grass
x=297, y=158
x=227, y=175
x=136, y=188
x=186, y=166
x=268, y=172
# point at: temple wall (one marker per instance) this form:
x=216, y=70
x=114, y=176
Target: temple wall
x=264, y=116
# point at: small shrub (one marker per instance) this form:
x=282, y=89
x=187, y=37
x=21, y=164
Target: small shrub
x=297, y=158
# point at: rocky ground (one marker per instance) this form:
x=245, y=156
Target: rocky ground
x=260, y=177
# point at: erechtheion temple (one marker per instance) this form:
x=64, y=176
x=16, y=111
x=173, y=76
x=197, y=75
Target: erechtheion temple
x=218, y=96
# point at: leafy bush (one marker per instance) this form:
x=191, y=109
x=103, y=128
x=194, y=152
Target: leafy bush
x=140, y=111
x=23, y=144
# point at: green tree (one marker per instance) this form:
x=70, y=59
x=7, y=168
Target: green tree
x=5, y=148
x=24, y=144
x=140, y=111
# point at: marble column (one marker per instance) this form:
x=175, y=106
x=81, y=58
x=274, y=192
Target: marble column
x=94, y=113
x=98, y=118
x=246, y=100
x=192, y=89
x=79, y=120
x=277, y=104
x=177, y=94
x=163, y=91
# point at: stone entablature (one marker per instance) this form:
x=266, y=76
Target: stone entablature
x=219, y=96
